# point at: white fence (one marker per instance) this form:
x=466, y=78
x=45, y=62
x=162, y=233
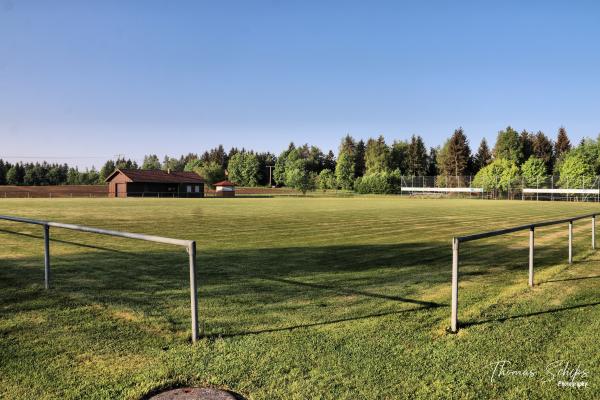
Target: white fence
x=190, y=246
x=531, y=227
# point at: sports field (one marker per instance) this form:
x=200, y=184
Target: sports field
x=300, y=298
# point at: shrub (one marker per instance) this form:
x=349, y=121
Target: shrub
x=379, y=183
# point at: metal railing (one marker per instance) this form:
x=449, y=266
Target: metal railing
x=531, y=227
x=190, y=246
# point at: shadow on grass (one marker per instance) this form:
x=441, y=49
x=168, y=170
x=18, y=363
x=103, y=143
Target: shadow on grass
x=254, y=287
x=315, y=324
x=532, y=314
x=571, y=279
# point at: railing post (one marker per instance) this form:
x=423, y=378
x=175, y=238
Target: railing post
x=454, y=314
x=594, y=232
x=46, y=256
x=570, y=242
x=531, y=244
x=193, y=293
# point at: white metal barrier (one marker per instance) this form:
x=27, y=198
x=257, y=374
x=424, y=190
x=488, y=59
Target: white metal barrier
x=531, y=227
x=190, y=246
x=441, y=189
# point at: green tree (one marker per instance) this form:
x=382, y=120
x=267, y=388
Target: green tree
x=359, y=159
x=500, y=174
x=377, y=156
x=244, y=169
x=326, y=180
x=385, y=182
x=13, y=176
x=299, y=176
x=399, y=156
x=345, y=165
x=432, y=162
x=575, y=171
x=563, y=144
x=542, y=148
x=417, y=156
x=151, y=162
x=533, y=171
x=508, y=145
x=279, y=170
x=344, y=171
x=457, y=155
x=526, y=144
x=483, y=156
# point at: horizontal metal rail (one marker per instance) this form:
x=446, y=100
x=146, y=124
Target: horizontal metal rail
x=190, y=246
x=498, y=232
x=531, y=228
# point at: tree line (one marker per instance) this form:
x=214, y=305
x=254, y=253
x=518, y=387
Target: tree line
x=373, y=166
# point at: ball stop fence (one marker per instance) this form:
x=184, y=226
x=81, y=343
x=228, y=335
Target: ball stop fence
x=189, y=245
x=531, y=227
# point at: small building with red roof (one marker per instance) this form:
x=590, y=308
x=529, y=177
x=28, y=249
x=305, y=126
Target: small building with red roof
x=154, y=183
x=225, y=189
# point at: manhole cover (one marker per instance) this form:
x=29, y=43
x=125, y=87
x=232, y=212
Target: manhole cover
x=195, y=394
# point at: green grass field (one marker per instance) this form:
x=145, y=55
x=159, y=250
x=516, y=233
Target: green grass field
x=300, y=298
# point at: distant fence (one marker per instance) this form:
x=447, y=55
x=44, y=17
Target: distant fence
x=531, y=227
x=497, y=187
x=190, y=246
x=516, y=188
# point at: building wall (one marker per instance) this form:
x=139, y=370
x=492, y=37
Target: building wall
x=112, y=186
x=152, y=189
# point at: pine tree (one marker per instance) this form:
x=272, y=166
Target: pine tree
x=563, y=144
x=526, y=144
x=417, y=156
x=432, y=162
x=456, y=161
x=359, y=159
x=345, y=166
x=508, y=145
x=542, y=148
x=399, y=156
x=483, y=156
x=377, y=156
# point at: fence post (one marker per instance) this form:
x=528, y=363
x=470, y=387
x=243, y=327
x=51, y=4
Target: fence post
x=46, y=256
x=594, y=232
x=454, y=314
x=193, y=293
x=570, y=242
x=531, y=244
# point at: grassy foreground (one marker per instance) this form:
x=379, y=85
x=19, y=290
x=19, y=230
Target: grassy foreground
x=300, y=298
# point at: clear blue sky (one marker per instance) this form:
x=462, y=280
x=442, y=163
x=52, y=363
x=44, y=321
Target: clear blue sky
x=87, y=79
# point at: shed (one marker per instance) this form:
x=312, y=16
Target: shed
x=225, y=189
x=154, y=183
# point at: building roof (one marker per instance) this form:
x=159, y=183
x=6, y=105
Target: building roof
x=224, y=183
x=157, y=176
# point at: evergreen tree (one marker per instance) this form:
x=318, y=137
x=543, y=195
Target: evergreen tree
x=432, y=162
x=151, y=161
x=483, y=156
x=359, y=159
x=508, y=145
x=107, y=169
x=377, y=156
x=542, y=148
x=526, y=143
x=329, y=162
x=563, y=144
x=346, y=163
x=399, y=156
x=458, y=154
x=279, y=170
x=417, y=156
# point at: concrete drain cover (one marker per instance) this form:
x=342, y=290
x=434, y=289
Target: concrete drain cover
x=195, y=394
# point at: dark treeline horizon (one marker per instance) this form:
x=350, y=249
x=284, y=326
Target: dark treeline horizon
x=297, y=165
